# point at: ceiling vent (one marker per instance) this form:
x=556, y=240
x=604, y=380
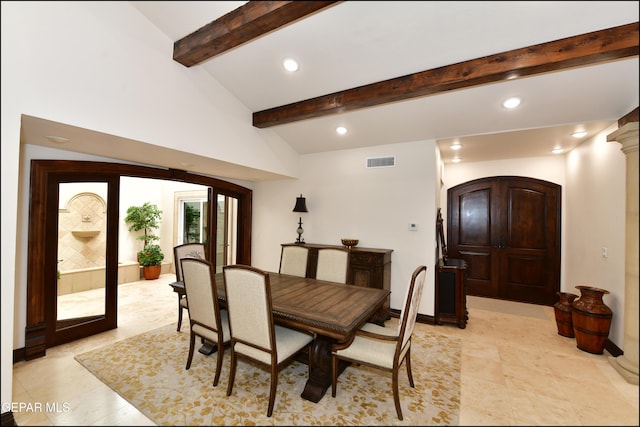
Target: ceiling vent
x=381, y=162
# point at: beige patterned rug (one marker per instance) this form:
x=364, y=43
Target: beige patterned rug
x=148, y=370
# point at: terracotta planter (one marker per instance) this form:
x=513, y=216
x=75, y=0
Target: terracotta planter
x=564, y=313
x=151, y=272
x=591, y=319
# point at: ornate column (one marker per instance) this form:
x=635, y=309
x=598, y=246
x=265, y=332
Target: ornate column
x=627, y=364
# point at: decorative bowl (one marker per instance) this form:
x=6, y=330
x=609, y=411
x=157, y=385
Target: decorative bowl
x=349, y=243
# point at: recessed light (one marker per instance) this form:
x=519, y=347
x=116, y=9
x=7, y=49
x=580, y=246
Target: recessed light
x=511, y=103
x=290, y=64
x=557, y=150
x=57, y=139
x=341, y=130
x=456, y=146
x=456, y=160
x=579, y=134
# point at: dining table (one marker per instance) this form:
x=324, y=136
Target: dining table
x=332, y=311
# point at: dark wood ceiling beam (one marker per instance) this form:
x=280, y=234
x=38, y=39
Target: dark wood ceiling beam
x=250, y=21
x=581, y=50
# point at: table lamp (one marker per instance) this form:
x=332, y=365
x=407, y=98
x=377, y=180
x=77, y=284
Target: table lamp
x=301, y=206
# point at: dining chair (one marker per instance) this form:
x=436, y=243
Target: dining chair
x=254, y=335
x=293, y=260
x=186, y=250
x=382, y=347
x=206, y=319
x=333, y=264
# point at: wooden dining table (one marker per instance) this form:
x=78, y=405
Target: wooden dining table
x=333, y=311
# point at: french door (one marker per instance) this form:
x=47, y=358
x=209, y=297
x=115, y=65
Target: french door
x=81, y=235
x=47, y=322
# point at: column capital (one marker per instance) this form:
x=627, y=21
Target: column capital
x=627, y=135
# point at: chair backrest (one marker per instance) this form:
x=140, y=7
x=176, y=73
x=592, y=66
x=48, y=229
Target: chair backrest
x=200, y=287
x=187, y=250
x=409, y=312
x=333, y=264
x=293, y=260
x=248, y=296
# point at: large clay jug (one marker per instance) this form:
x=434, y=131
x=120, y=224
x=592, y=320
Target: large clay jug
x=563, y=313
x=591, y=319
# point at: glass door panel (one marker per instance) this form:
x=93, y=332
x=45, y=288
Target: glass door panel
x=81, y=256
x=226, y=231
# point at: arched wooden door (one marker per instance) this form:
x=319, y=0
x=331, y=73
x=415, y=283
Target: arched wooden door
x=507, y=228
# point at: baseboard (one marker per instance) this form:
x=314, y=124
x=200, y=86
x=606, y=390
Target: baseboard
x=19, y=354
x=613, y=349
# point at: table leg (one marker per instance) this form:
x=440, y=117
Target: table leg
x=320, y=369
x=208, y=348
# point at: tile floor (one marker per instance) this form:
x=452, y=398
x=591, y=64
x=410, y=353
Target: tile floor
x=516, y=370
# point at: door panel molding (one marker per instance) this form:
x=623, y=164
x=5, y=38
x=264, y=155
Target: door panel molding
x=509, y=228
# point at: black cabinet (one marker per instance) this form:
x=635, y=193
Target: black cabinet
x=450, y=292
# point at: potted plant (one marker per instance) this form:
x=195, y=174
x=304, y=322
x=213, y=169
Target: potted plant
x=146, y=218
x=150, y=258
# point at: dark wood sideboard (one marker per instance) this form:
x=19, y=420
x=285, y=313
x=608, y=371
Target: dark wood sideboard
x=451, y=292
x=368, y=267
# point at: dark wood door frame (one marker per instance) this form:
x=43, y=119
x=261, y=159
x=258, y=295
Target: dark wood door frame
x=66, y=330
x=41, y=270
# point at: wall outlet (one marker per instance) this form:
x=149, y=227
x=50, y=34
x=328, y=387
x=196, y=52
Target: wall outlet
x=605, y=252
x=413, y=226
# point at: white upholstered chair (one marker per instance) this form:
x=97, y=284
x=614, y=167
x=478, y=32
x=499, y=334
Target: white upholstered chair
x=385, y=348
x=187, y=250
x=253, y=333
x=333, y=264
x=293, y=260
x=205, y=317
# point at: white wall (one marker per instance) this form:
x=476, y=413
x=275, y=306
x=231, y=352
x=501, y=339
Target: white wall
x=345, y=199
x=595, y=200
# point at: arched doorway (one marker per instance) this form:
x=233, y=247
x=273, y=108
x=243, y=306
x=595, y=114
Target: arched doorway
x=43, y=330
x=507, y=228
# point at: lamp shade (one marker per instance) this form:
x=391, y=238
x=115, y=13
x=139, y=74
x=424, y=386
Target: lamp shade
x=301, y=205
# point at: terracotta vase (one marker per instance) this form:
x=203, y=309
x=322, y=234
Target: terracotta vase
x=591, y=319
x=564, y=313
x=151, y=272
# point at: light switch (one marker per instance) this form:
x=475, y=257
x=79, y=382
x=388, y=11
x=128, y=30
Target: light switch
x=605, y=252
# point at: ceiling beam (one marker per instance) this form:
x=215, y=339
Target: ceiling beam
x=248, y=22
x=581, y=50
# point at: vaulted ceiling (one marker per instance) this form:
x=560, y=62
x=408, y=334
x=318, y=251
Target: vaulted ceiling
x=404, y=71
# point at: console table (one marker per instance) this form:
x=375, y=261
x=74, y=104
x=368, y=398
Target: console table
x=368, y=267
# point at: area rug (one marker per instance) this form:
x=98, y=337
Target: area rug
x=148, y=370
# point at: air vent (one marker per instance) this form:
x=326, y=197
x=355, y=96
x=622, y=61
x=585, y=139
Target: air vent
x=381, y=162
